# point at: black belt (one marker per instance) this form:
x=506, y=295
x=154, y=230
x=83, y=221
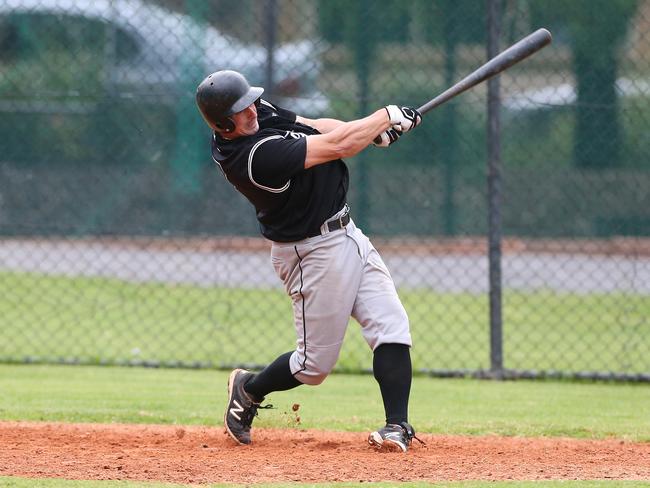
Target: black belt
x=339, y=223
x=333, y=225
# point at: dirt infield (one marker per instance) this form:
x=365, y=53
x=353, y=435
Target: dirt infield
x=205, y=455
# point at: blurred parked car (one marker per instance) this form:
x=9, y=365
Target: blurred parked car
x=57, y=54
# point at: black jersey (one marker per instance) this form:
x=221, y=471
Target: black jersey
x=268, y=168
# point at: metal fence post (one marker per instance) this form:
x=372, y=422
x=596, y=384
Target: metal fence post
x=363, y=51
x=494, y=196
x=449, y=127
x=270, y=36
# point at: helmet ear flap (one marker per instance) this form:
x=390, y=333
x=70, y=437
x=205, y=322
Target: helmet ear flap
x=226, y=125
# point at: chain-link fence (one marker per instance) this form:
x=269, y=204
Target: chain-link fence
x=120, y=241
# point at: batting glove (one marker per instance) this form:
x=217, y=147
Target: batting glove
x=403, y=118
x=387, y=137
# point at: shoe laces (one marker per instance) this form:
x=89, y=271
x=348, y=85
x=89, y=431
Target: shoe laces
x=251, y=412
x=410, y=433
x=419, y=440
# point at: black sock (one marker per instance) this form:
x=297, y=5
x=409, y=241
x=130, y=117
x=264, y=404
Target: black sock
x=392, y=369
x=275, y=377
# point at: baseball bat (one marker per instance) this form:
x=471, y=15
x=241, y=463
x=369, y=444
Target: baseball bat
x=502, y=61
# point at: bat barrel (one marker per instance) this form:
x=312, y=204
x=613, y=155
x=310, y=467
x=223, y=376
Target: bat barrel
x=515, y=53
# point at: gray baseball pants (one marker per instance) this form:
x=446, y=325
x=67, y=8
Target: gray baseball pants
x=330, y=278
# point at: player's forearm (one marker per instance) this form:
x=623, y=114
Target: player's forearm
x=322, y=125
x=356, y=135
x=346, y=140
x=352, y=137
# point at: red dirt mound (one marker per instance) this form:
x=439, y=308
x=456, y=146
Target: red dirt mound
x=206, y=455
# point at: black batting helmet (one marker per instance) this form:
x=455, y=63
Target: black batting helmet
x=222, y=94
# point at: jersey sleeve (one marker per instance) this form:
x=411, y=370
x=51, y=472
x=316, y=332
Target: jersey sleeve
x=287, y=114
x=275, y=159
x=267, y=110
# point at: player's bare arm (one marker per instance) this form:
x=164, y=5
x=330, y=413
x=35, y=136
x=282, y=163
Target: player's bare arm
x=349, y=138
x=346, y=140
x=322, y=125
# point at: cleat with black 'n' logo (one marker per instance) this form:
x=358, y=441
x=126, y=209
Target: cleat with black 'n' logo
x=241, y=409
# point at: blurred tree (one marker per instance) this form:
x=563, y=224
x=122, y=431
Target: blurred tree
x=596, y=30
x=396, y=21
x=459, y=17
x=341, y=21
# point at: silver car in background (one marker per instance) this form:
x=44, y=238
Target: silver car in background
x=148, y=53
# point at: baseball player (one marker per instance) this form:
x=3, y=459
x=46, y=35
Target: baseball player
x=291, y=169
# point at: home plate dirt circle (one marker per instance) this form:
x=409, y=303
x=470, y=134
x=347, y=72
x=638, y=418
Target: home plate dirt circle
x=194, y=454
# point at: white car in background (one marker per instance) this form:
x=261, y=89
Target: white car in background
x=564, y=94
x=148, y=53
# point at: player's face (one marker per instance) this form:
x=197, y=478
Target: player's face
x=245, y=122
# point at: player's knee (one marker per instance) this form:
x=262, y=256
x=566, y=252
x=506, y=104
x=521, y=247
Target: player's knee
x=313, y=368
x=312, y=378
x=314, y=374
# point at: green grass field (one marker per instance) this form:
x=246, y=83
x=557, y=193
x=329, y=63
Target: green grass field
x=343, y=402
x=450, y=406
x=94, y=320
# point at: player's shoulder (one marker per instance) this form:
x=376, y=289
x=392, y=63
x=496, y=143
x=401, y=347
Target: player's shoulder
x=269, y=114
x=241, y=147
x=268, y=108
x=275, y=136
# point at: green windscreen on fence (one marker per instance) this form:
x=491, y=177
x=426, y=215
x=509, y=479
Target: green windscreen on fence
x=121, y=241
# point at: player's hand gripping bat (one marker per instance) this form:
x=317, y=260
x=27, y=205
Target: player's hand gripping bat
x=515, y=53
